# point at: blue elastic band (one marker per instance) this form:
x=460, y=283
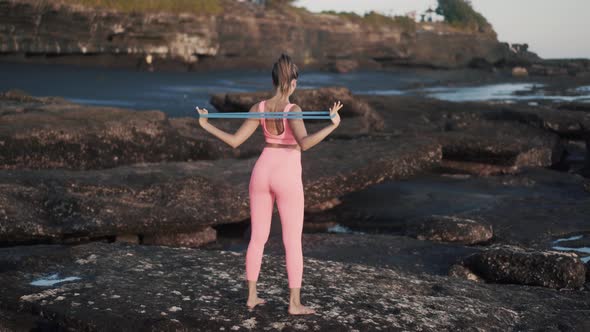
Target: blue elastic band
x=270, y=115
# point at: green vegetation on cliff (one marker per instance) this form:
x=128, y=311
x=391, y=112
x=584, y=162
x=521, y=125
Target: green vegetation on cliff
x=375, y=19
x=175, y=6
x=459, y=13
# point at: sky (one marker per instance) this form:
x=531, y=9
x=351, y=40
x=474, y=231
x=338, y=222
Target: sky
x=551, y=28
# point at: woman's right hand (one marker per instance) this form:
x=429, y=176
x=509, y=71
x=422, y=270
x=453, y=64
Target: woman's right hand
x=202, y=119
x=334, y=110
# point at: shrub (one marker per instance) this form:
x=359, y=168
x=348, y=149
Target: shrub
x=460, y=13
x=375, y=19
x=175, y=6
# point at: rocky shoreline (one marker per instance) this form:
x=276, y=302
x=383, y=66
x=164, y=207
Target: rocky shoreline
x=454, y=208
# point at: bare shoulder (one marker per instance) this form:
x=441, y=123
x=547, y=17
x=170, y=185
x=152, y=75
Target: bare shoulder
x=255, y=107
x=295, y=108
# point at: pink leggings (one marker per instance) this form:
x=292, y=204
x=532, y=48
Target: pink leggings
x=276, y=174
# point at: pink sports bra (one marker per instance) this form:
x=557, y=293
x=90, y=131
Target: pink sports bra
x=286, y=137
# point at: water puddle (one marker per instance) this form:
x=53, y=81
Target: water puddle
x=579, y=250
x=52, y=280
x=342, y=230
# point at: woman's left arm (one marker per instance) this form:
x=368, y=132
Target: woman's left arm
x=240, y=136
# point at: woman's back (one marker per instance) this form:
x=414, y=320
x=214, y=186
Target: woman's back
x=286, y=136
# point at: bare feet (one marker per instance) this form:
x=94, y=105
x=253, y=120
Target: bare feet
x=254, y=302
x=300, y=309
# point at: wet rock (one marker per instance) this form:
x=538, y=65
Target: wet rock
x=140, y=283
x=192, y=239
x=526, y=208
x=476, y=139
x=42, y=133
x=560, y=67
x=378, y=250
x=182, y=197
x=355, y=111
x=450, y=229
x=516, y=265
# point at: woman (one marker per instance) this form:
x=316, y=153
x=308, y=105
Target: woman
x=277, y=175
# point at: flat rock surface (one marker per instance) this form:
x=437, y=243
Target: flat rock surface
x=46, y=133
x=183, y=196
x=531, y=208
x=129, y=287
x=379, y=250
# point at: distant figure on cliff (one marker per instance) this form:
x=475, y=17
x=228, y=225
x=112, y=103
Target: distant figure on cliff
x=277, y=175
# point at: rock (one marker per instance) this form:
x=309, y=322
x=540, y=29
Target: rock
x=588, y=272
x=242, y=36
x=378, y=250
x=343, y=66
x=519, y=72
x=526, y=208
x=574, y=106
x=560, y=67
x=516, y=265
x=355, y=111
x=450, y=229
x=162, y=278
x=57, y=204
x=128, y=238
x=192, y=239
x=460, y=271
x=586, y=170
x=476, y=138
x=569, y=124
x=41, y=133
x=184, y=196
x=485, y=148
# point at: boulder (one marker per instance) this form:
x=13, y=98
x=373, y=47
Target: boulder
x=517, y=265
x=519, y=72
x=450, y=229
x=343, y=66
x=461, y=272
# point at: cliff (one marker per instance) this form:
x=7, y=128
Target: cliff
x=242, y=35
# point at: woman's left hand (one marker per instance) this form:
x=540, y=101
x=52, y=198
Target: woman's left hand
x=202, y=119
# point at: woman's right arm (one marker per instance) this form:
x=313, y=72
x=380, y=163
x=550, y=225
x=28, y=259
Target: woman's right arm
x=234, y=140
x=308, y=141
